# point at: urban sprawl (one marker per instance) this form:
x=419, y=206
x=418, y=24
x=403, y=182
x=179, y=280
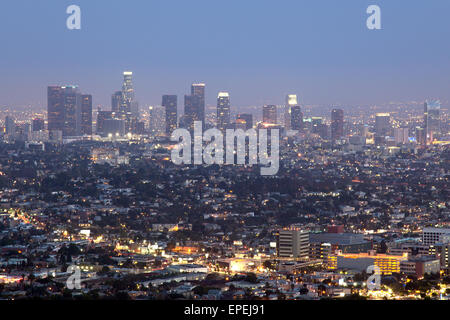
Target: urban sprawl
x=358, y=189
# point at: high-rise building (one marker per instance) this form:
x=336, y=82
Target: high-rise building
x=157, y=123
x=55, y=108
x=38, y=125
x=337, y=124
x=72, y=106
x=127, y=91
x=64, y=110
x=129, y=108
x=102, y=116
x=293, y=243
x=319, y=128
x=270, y=114
x=194, y=106
x=291, y=101
x=223, y=111
x=116, y=101
x=401, y=135
x=10, y=126
x=86, y=114
x=191, y=105
x=169, y=102
x=432, y=119
x=421, y=137
x=296, y=118
x=382, y=124
x=198, y=90
x=247, y=118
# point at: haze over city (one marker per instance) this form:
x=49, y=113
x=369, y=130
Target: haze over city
x=258, y=51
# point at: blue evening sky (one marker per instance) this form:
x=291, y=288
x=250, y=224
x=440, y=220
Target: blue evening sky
x=257, y=50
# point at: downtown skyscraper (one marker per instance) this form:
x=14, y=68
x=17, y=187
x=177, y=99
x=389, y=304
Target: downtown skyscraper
x=124, y=105
x=296, y=118
x=270, y=114
x=68, y=111
x=382, y=124
x=432, y=119
x=194, y=105
x=223, y=111
x=291, y=101
x=127, y=92
x=169, y=102
x=116, y=101
x=337, y=124
x=86, y=114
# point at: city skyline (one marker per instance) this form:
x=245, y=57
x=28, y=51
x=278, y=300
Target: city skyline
x=217, y=158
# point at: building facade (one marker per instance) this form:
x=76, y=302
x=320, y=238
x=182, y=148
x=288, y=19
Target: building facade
x=293, y=243
x=170, y=103
x=223, y=111
x=337, y=124
x=270, y=114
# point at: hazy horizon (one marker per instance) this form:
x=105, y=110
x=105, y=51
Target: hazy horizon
x=258, y=51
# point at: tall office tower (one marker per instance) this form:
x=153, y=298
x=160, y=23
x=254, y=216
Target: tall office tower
x=64, y=110
x=401, y=135
x=316, y=122
x=364, y=130
x=135, y=110
x=55, y=108
x=38, y=125
x=157, y=123
x=248, y=118
x=102, y=116
x=223, y=111
x=432, y=119
x=10, y=125
x=169, y=102
x=291, y=101
x=72, y=109
x=382, y=124
x=421, y=137
x=194, y=106
x=198, y=90
x=86, y=114
x=319, y=128
x=191, y=104
x=129, y=108
x=116, y=101
x=296, y=118
x=270, y=114
x=337, y=124
x=293, y=243
x=127, y=91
